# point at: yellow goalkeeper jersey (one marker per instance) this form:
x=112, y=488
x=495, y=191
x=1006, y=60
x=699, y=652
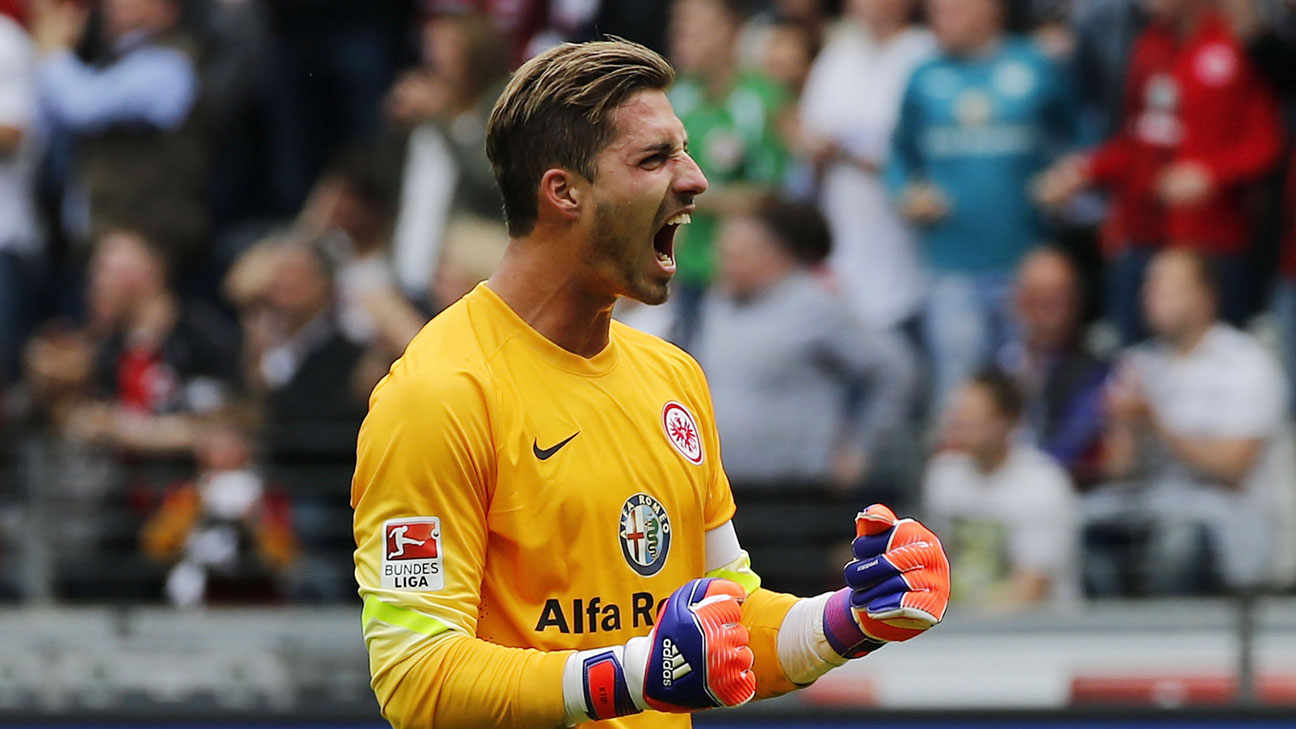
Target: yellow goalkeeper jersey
x=511, y=491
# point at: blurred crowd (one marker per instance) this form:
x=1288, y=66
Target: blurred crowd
x=1024, y=268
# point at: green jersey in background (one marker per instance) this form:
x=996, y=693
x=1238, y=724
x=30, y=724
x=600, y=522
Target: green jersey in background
x=734, y=139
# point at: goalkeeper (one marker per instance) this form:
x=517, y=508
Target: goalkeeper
x=542, y=522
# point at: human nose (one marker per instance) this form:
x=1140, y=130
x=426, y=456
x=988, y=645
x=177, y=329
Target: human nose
x=689, y=179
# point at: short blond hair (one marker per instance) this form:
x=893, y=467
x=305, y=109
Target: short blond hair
x=557, y=112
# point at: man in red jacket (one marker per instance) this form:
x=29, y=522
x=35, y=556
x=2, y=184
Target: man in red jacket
x=1200, y=126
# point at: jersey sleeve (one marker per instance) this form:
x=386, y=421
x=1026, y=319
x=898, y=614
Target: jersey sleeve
x=425, y=462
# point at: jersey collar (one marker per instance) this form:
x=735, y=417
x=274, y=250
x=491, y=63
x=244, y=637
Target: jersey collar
x=600, y=364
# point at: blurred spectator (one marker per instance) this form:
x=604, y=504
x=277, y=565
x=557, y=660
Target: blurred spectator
x=1200, y=128
x=226, y=534
x=760, y=28
x=975, y=125
x=847, y=116
x=314, y=384
x=804, y=393
x=789, y=51
x=777, y=345
x=1006, y=511
x=1198, y=436
x=142, y=148
x=120, y=396
x=295, y=354
x=730, y=115
x=443, y=106
x=157, y=359
x=20, y=242
x=349, y=211
x=1062, y=383
x=472, y=249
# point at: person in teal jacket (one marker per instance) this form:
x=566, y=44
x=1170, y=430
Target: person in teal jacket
x=977, y=123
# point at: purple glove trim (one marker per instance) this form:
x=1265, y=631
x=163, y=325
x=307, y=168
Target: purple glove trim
x=841, y=630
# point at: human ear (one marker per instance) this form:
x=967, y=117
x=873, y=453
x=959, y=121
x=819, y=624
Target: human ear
x=561, y=190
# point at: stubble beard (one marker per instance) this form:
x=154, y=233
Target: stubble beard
x=618, y=263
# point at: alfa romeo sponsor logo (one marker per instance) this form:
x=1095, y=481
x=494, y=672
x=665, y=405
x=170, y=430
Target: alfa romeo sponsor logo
x=682, y=431
x=645, y=533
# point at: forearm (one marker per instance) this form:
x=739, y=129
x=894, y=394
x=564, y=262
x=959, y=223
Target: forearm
x=1226, y=459
x=780, y=627
x=764, y=614
x=455, y=680
x=11, y=138
x=1120, y=451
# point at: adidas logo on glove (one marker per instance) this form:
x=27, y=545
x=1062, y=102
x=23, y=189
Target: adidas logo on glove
x=696, y=657
x=674, y=667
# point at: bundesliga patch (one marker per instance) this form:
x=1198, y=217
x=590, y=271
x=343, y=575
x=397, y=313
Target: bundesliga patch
x=412, y=558
x=645, y=534
x=682, y=431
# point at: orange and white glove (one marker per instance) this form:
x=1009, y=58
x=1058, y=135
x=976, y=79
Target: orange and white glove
x=898, y=585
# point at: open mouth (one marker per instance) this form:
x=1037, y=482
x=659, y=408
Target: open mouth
x=664, y=240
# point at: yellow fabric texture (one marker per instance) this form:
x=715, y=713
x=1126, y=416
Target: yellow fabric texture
x=539, y=556
x=763, y=614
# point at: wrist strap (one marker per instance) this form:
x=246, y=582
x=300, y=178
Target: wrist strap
x=841, y=630
x=596, y=685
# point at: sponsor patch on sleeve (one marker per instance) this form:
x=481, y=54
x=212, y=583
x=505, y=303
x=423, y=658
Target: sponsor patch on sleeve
x=412, y=558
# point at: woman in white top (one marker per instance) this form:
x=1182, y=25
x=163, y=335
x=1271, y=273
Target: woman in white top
x=848, y=111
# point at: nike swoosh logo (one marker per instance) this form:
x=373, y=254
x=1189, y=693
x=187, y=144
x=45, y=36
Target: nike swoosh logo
x=544, y=453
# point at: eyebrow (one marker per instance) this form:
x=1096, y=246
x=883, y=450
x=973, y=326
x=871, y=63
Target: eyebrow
x=658, y=148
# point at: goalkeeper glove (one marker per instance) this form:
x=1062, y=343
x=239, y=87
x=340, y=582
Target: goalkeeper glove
x=695, y=658
x=898, y=585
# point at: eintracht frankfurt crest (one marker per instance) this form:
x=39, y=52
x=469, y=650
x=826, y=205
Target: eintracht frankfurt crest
x=645, y=534
x=682, y=431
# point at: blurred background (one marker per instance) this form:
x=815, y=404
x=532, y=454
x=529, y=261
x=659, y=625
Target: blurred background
x=1024, y=269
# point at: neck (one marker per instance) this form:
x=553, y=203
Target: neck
x=1187, y=341
x=980, y=48
x=883, y=29
x=539, y=280
x=990, y=460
